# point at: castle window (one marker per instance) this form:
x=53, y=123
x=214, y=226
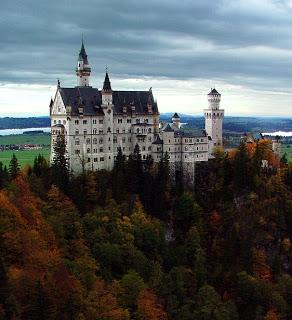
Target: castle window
x=88, y=160
x=124, y=140
x=84, y=132
x=118, y=131
x=129, y=120
x=108, y=129
x=55, y=121
x=145, y=120
x=109, y=148
x=144, y=156
x=149, y=130
x=101, y=158
x=100, y=140
x=84, y=121
x=186, y=148
x=100, y=121
x=76, y=131
x=115, y=139
x=100, y=149
x=94, y=131
x=149, y=148
x=120, y=120
x=94, y=141
x=137, y=120
x=124, y=130
x=59, y=121
x=143, y=148
x=138, y=130
x=77, y=142
x=94, y=159
x=130, y=130
x=109, y=139
x=109, y=157
x=88, y=141
x=94, y=121
x=76, y=121
x=88, y=150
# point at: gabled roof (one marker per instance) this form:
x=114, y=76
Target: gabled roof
x=176, y=116
x=90, y=99
x=167, y=128
x=214, y=92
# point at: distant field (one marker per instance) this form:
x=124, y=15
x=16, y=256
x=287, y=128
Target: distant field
x=287, y=148
x=25, y=139
x=25, y=156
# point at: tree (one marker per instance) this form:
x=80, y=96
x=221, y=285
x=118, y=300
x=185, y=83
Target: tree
x=149, y=307
x=242, y=174
x=60, y=170
x=13, y=167
x=4, y=175
x=40, y=165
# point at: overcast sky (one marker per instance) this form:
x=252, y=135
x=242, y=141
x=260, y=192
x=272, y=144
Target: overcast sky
x=180, y=48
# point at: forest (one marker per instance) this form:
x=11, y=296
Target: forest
x=134, y=244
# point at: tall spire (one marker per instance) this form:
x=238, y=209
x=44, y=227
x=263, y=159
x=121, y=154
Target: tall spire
x=82, y=53
x=106, y=84
x=83, y=69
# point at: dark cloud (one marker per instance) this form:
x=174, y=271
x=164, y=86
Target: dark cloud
x=232, y=41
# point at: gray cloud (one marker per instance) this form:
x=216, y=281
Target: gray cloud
x=244, y=42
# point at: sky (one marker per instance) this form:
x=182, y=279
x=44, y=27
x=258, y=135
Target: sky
x=180, y=48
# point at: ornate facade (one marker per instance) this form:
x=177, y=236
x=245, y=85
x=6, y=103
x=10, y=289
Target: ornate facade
x=96, y=123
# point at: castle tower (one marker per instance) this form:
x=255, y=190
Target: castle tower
x=108, y=126
x=83, y=69
x=214, y=119
x=176, y=120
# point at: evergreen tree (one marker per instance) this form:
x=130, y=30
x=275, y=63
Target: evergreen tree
x=40, y=165
x=284, y=159
x=60, y=172
x=4, y=176
x=118, y=174
x=135, y=171
x=242, y=174
x=13, y=167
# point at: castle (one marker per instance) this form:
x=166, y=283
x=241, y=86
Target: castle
x=96, y=123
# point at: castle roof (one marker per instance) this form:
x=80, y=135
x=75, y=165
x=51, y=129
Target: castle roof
x=214, y=91
x=158, y=141
x=90, y=99
x=167, y=128
x=82, y=54
x=176, y=116
x=106, y=84
x=193, y=134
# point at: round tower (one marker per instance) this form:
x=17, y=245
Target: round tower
x=83, y=69
x=214, y=120
x=214, y=98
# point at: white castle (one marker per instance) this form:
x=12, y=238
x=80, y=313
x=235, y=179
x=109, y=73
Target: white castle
x=96, y=123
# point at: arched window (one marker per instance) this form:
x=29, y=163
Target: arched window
x=149, y=130
x=94, y=131
x=88, y=141
x=94, y=141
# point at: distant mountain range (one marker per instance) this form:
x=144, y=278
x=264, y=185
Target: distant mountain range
x=231, y=124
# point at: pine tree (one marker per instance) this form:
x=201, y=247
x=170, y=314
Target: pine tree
x=13, y=167
x=4, y=176
x=60, y=163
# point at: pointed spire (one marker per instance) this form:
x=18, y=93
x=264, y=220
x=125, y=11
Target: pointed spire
x=82, y=53
x=106, y=83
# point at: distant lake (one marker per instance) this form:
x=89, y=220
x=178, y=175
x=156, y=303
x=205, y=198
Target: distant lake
x=279, y=133
x=7, y=132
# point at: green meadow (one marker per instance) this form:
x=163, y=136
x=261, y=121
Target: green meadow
x=25, y=156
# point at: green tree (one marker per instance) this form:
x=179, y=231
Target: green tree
x=60, y=172
x=13, y=167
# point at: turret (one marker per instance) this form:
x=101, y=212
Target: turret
x=214, y=119
x=176, y=120
x=106, y=93
x=83, y=69
x=214, y=98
